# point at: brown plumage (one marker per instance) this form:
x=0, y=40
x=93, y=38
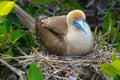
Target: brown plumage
x=51, y=33
x=62, y=36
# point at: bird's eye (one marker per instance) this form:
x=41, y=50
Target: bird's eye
x=74, y=22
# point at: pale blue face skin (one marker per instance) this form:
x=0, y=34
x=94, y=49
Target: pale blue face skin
x=79, y=24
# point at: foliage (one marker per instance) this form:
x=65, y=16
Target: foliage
x=71, y=4
x=42, y=2
x=11, y=31
x=109, y=26
x=13, y=35
x=5, y=7
x=34, y=73
x=9, y=37
x=66, y=5
x=112, y=69
x=5, y=27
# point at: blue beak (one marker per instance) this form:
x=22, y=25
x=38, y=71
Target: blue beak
x=79, y=24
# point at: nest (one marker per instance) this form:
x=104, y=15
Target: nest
x=67, y=68
x=74, y=68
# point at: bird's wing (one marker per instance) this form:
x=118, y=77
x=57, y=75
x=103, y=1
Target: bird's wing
x=56, y=24
x=52, y=32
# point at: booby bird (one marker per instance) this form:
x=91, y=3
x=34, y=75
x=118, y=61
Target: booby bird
x=65, y=35
x=61, y=35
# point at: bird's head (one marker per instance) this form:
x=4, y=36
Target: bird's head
x=76, y=18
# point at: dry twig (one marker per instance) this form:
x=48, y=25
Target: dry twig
x=67, y=62
x=15, y=70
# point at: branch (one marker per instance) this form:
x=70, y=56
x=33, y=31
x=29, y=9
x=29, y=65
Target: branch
x=15, y=70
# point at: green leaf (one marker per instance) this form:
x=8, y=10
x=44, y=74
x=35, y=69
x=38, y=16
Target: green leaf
x=71, y=4
x=108, y=69
x=34, y=73
x=17, y=35
x=5, y=7
x=14, y=20
x=113, y=56
x=2, y=33
x=107, y=24
x=9, y=52
x=117, y=41
x=43, y=2
x=117, y=47
x=116, y=65
x=6, y=24
x=0, y=19
x=31, y=10
x=29, y=39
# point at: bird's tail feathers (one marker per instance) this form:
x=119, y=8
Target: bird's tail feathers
x=25, y=19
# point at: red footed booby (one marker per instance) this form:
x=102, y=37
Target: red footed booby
x=67, y=35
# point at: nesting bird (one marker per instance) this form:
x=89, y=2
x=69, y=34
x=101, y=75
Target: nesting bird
x=65, y=35
x=62, y=35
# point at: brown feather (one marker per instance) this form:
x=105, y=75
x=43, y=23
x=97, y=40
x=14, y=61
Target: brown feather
x=57, y=24
x=52, y=33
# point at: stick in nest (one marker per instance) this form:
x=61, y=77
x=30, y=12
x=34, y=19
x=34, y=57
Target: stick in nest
x=61, y=61
x=15, y=70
